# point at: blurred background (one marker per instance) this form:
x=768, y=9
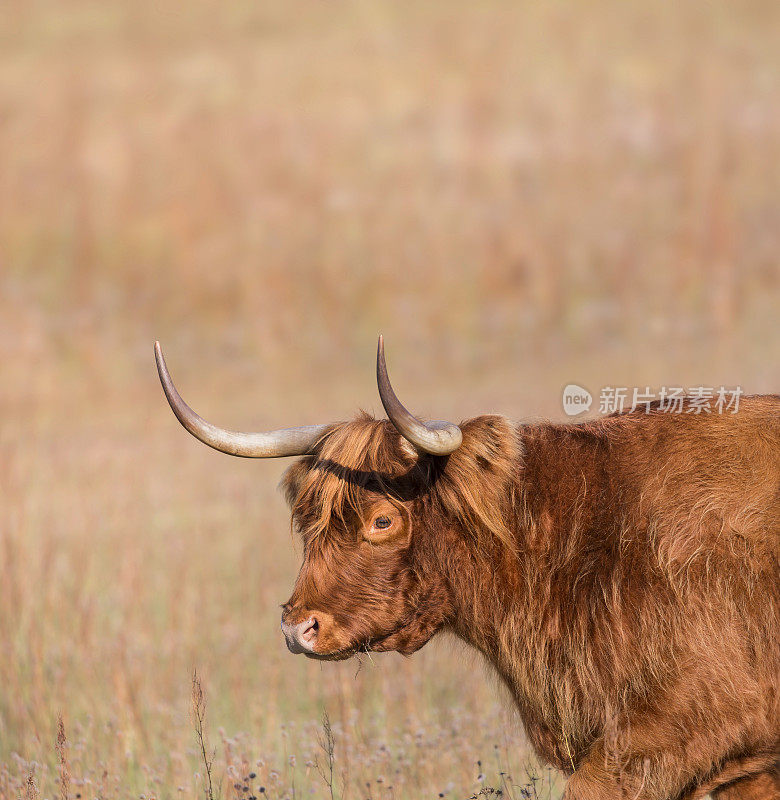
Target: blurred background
x=518, y=195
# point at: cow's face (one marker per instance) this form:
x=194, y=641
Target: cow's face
x=353, y=589
x=367, y=581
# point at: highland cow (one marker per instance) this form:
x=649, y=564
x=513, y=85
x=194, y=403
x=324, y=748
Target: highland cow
x=621, y=575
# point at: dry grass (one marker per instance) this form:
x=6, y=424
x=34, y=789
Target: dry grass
x=517, y=195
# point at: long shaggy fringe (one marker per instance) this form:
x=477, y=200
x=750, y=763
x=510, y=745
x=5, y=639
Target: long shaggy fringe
x=366, y=458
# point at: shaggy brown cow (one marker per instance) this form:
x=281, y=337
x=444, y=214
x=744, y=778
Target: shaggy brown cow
x=621, y=575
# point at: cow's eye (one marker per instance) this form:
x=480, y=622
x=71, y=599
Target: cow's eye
x=381, y=523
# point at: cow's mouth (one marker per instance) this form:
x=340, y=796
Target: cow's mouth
x=404, y=639
x=336, y=655
x=347, y=652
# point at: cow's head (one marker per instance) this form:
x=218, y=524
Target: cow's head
x=375, y=503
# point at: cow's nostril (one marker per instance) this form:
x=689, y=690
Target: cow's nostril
x=310, y=629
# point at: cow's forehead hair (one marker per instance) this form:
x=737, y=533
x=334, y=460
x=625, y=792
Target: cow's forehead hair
x=354, y=463
x=471, y=488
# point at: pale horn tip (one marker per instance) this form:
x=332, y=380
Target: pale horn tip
x=380, y=357
x=160, y=361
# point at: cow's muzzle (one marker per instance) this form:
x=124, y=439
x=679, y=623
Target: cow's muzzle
x=301, y=637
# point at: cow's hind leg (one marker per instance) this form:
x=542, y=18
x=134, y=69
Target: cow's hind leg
x=763, y=786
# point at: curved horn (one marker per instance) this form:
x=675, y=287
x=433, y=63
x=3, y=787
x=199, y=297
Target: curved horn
x=285, y=442
x=437, y=438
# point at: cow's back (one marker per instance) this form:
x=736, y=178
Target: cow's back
x=707, y=484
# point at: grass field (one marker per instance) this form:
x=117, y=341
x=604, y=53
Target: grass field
x=518, y=195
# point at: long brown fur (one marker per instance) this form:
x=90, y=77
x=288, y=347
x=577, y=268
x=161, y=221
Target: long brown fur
x=622, y=576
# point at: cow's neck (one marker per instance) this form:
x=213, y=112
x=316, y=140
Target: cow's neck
x=512, y=609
